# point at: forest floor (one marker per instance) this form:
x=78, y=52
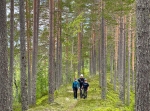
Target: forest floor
x=64, y=100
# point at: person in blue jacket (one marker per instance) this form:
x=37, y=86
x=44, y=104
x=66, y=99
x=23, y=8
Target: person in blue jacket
x=75, y=87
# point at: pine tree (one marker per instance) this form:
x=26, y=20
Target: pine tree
x=4, y=106
x=24, y=95
x=143, y=59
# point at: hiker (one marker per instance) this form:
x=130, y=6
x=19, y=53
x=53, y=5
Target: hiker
x=75, y=87
x=81, y=81
x=85, y=88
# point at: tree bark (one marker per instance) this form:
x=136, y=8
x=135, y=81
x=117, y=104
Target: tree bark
x=24, y=95
x=129, y=61
x=3, y=59
x=79, y=53
x=121, y=61
x=35, y=48
x=11, y=70
x=103, y=57
x=116, y=55
x=28, y=32
x=51, y=70
x=143, y=59
x=133, y=61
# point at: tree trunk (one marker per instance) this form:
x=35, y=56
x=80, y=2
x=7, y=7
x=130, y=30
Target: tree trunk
x=121, y=57
x=116, y=55
x=111, y=66
x=35, y=48
x=58, y=50
x=4, y=106
x=129, y=61
x=93, y=49
x=143, y=59
x=51, y=70
x=103, y=57
x=28, y=25
x=79, y=53
x=99, y=57
x=11, y=70
x=24, y=95
x=133, y=61
x=67, y=62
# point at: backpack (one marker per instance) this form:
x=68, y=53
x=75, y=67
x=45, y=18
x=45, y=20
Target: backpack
x=75, y=84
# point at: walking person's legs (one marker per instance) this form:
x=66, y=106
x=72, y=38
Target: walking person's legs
x=75, y=93
x=85, y=94
x=81, y=92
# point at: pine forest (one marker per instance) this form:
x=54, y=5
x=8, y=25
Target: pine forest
x=46, y=46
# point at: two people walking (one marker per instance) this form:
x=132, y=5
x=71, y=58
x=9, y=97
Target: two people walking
x=82, y=85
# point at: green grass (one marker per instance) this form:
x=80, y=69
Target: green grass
x=64, y=100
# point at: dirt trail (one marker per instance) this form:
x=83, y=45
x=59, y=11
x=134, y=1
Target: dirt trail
x=71, y=107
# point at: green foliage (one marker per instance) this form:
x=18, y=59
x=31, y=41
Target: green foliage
x=73, y=27
x=42, y=79
x=42, y=100
x=17, y=106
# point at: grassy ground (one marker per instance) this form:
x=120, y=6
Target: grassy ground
x=64, y=100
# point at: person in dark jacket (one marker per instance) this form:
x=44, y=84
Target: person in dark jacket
x=85, y=87
x=75, y=86
x=81, y=81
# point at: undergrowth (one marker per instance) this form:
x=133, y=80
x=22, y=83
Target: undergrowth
x=64, y=100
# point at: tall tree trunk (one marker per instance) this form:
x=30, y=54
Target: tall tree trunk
x=93, y=49
x=35, y=48
x=133, y=60
x=57, y=46
x=28, y=32
x=124, y=56
x=82, y=58
x=116, y=55
x=129, y=61
x=121, y=57
x=79, y=53
x=51, y=71
x=103, y=57
x=24, y=95
x=11, y=70
x=72, y=52
x=91, y=56
x=67, y=62
x=143, y=59
x=111, y=66
x=99, y=44
x=99, y=57
x=59, y=50
x=60, y=43
x=3, y=59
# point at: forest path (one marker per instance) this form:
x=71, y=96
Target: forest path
x=64, y=100
x=72, y=106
